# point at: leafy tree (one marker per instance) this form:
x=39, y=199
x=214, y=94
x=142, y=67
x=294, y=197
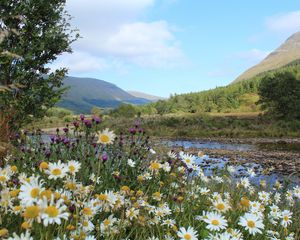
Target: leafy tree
x=96, y=111
x=32, y=34
x=280, y=94
x=125, y=110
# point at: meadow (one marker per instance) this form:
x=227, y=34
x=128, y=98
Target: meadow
x=95, y=184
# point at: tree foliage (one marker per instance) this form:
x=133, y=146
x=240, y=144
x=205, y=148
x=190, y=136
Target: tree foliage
x=280, y=95
x=234, y=97
x=33, y=33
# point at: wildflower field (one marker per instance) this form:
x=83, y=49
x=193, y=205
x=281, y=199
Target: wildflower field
x=95, y=185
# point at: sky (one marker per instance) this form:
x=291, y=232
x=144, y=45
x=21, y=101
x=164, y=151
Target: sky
x=163, y=47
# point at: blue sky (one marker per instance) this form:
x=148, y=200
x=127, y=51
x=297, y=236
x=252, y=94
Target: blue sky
x=163, y=47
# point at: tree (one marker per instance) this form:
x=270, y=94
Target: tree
x=33, y=33
x=280, y=95
x=96, y=111
x=125, y=110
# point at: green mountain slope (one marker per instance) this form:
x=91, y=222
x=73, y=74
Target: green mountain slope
x=84, y=93
x=288, y=52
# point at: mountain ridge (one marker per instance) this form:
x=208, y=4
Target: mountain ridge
x=150, y=97
x=85, y=93
x=286, y=53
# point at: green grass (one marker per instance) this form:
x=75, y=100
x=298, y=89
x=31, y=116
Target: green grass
x=241, y=125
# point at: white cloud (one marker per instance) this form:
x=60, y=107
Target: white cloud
x=284, y=23
x=112, y=32
x=80, y=62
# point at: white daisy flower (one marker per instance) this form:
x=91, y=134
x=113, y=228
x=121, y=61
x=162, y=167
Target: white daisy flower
x=57, y=170
x=286, y=218
x=188, y=159
x=106, y=137
x=53, y=212
x=187, y=234
x=73, y=166
x=131, y=163
x=252, y=223
x=30, y=191
x=23, y=236
x=215, y=221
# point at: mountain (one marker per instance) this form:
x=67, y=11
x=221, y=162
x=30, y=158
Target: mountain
x=149, y=97
x=85, y=93
x=288, y=52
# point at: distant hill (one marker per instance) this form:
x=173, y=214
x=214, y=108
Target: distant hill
x=149, y=97
x=288, y=52
x=85, y=93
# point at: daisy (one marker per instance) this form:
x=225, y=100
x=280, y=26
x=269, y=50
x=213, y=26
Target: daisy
x=252, y=223
x=106, y=137
x=107, y=223
x=73, y=166
x=296, y=191
x=107, y=199
x=168, y=222
x=221, y=206
x=215, y=221
x=23, y=236
x=264, y=196
x=274, y=211
x=30, y=191
x=187, y=234
x=132, y=213
x=131, y=163
x=204, y=191
x=286, y=218
x=231, y=169
x=87, y=225
x=57, y=170
x=172, y=154
x=245, y=182
x=53, y=212
x=251, y=172
x=188, y=159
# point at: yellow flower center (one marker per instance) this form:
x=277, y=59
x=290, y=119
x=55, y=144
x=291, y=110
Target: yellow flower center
x=215, y=222
x=14, y=168
x=14, y=193
x=155, y=166
x=3, y=232
x=85, y=224
x=44, y=165
x=32, y=212
x=188, y=160
x=286, y=218
x=104, y=138
x=106, y=222
x=25, y=225
x=34, y=192
x=103, y=197
x=56, y=172
x=220, y=206
x=2, y=178
x=72, y=168
x=187, y=236
x=52, y=211
x=87, y=211
x=251, y=224
x=245, y=202
x=17, y=208
x=46, y=193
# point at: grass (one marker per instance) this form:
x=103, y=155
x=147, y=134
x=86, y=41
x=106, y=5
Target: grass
x=241, y=125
